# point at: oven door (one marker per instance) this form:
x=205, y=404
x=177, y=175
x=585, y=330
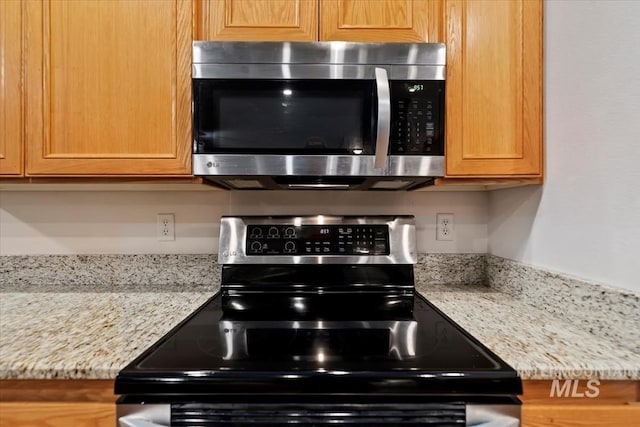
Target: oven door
x=323, y=412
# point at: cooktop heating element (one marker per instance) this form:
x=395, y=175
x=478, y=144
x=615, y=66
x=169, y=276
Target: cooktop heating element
x=317, y=317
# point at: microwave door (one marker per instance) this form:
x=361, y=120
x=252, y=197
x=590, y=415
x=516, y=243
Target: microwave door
x=326, y=117
x=384, y=118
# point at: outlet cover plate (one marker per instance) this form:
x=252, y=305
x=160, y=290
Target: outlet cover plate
x=444, y=226
x=166, y=227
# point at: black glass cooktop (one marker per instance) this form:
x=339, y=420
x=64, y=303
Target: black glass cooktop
x=215, y=352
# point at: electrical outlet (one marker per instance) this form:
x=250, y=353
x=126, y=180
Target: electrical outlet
x=444, y=226
x=166, y=227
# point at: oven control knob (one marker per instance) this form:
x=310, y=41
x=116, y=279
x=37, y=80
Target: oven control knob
x=289, y=247
x=256, y=247
x=256, y=232
x=273, y=233
x=290, y=232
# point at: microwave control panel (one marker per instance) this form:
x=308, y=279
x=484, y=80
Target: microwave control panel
x=344, y=239
x=416, y=118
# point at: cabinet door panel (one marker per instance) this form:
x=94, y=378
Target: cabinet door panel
x=258, y=20
x=57, y=414
x=108, y=87
x=11, y=135
x=381, y=20
x=580, y=415
x=494, y=87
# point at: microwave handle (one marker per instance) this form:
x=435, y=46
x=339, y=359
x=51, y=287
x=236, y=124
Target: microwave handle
x=384, y=118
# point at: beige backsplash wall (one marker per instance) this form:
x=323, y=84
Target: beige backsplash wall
x=59, y=222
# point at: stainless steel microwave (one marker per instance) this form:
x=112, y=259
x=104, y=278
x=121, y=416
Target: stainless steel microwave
x=318, y=115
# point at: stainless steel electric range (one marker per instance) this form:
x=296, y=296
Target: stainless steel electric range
x=318, y=323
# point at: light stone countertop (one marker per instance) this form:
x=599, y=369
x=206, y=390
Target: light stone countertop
x=92, y=335
x=536, y=343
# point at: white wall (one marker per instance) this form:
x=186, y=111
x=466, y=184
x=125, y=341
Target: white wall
x=585, y=221
x=34, y=223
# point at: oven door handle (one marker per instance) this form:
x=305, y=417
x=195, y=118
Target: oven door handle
x=493, y=415
x=137, y=422
x=384, y=118
x=502, y=422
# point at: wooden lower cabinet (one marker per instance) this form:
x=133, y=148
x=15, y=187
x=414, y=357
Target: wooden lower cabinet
x=57, y=403
x=91, y=403
x=57, y=414
x=616, y=405
x=580, y=415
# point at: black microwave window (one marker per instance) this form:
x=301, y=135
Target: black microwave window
x=284, y=116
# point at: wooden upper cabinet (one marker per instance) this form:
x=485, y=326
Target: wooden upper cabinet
x=108, y=87
x=277, y=20
x=11, y=140
x=298, y=20
x=494, y=88
x=381, y=20
x=494, y=63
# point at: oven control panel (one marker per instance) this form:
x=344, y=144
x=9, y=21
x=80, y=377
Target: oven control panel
x=343, y=239
x=318, y=239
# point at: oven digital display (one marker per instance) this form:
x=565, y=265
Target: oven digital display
x=344, y=239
